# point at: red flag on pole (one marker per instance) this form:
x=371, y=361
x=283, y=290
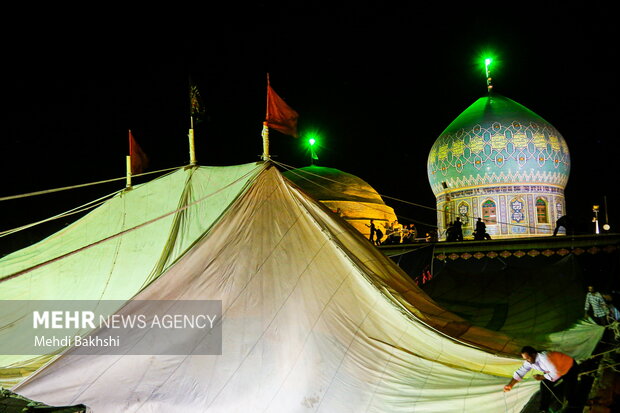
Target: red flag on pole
x=139, y=160
x=280, y=116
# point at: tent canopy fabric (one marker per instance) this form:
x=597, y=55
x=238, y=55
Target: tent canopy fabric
x=118, y=248
x=536, y=298
x=315, y=318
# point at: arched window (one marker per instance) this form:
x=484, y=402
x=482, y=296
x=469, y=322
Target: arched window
x=488, y=212
x=541, y=211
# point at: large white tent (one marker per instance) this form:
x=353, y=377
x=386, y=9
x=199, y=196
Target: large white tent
x=315, y=318
x=117, y=249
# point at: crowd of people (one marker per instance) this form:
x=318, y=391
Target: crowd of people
x=396, y=233
x=454, y=231
x=392, y=233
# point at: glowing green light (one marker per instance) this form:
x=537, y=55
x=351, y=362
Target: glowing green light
x=313, y=139
x=487, y=60
x=487, y=63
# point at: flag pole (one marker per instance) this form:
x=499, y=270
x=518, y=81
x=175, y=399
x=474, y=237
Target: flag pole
x=194, y=106
x=192, y=149
x=265, y=134
x=128, y=163
x=265, y=131
x=280, y=117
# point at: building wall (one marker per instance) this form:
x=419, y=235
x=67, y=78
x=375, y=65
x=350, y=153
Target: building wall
x=517, y=213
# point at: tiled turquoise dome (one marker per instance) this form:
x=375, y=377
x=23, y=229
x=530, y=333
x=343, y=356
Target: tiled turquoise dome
x=497, y=141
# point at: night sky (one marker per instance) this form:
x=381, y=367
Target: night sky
x=378, y=84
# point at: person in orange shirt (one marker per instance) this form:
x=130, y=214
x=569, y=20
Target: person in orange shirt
x=554, y=365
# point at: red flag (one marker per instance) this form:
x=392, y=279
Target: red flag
x=139, y=161
x=280, y=116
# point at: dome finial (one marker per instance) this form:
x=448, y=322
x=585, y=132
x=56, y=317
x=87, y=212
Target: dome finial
x=487, y=64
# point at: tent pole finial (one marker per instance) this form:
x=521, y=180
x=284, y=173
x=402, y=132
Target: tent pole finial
x=192, y=149
x=265, y=134
x=128, y=164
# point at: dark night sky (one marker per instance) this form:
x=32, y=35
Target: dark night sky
x=379, y=84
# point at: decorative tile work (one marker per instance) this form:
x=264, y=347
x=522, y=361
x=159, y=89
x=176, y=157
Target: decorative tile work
x=509, y=178
x=502, y=214
x=541, y=146
x=547, y=252
x=532, y=213
x=497, y=146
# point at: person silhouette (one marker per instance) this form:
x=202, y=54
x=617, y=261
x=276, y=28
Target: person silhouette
x=458, y=229
x=481, y=230
x=450, y=232
x=378, y=236
x=566, y=222
x=373, y=230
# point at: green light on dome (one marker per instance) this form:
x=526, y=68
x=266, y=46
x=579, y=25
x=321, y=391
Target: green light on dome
x=487, y=70
x=487, y=63
x=313, y=140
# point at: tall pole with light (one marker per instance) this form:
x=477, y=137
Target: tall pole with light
x=487, y=69
x=595, y=209
x=606, y=226
x=312, y=139
x=313, y=156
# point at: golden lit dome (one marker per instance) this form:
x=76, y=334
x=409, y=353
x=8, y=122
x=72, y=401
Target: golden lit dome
x=348, y=195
